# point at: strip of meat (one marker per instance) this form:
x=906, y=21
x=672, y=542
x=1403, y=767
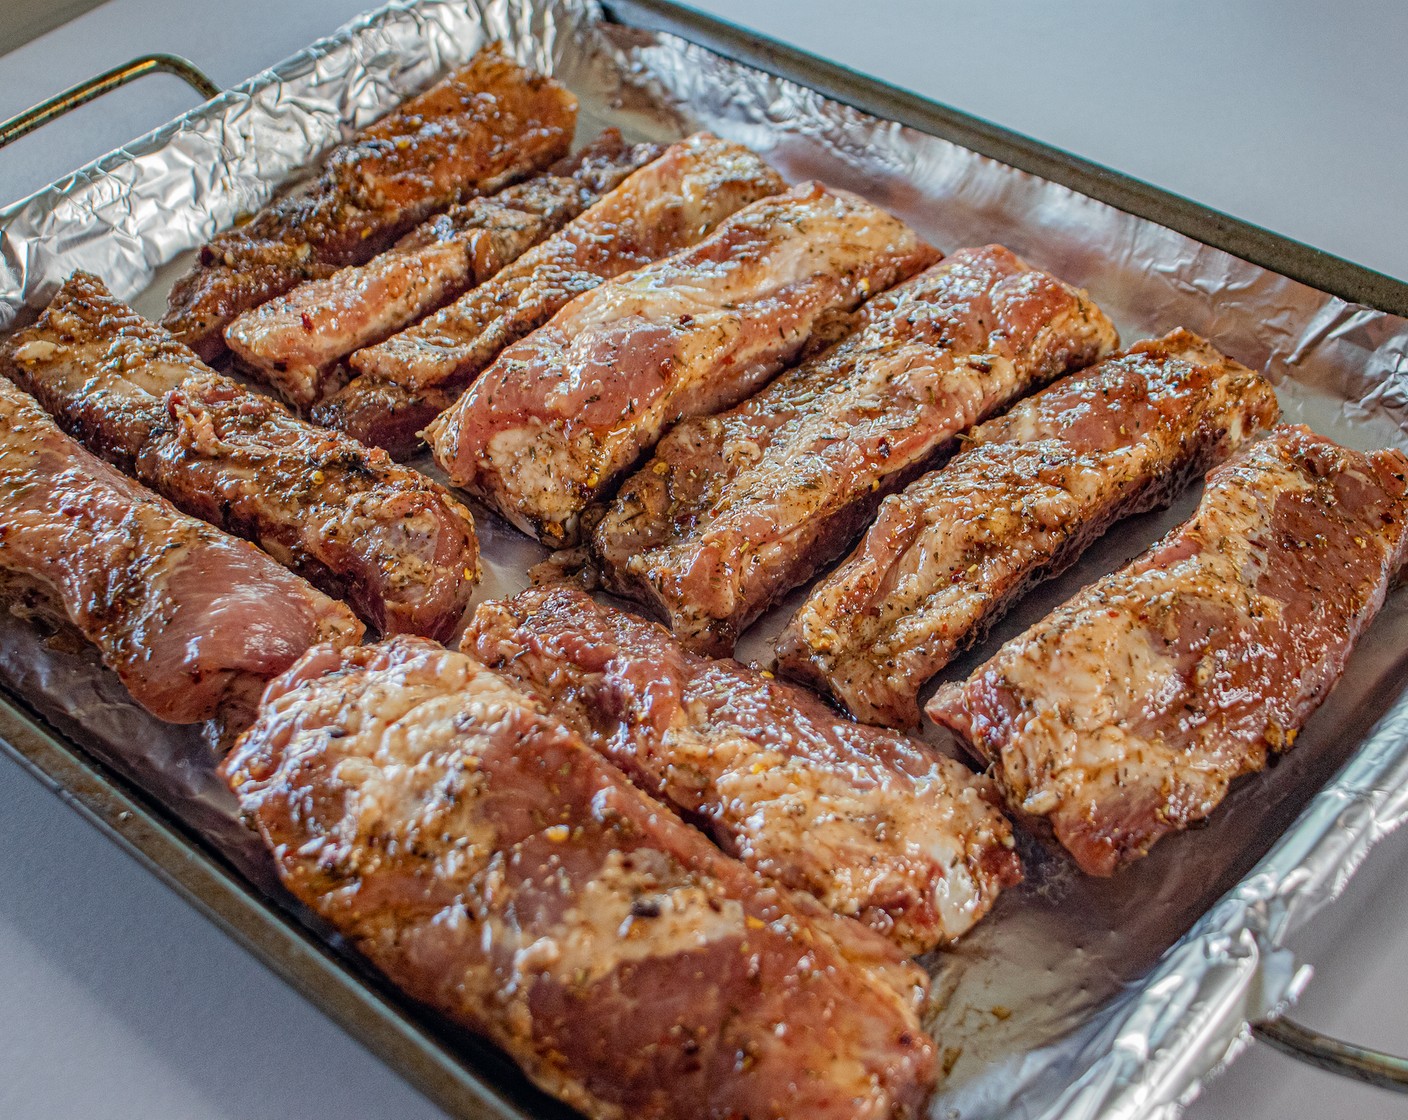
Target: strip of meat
x=192, y=621
x=876, y=826
x=472, y=133
x=479, y=854
x=295, y=343
x=735, y=510
x=395, y=544
x=559, y=417
x=408, y=380
x=1126, y=713
x=1034, y=488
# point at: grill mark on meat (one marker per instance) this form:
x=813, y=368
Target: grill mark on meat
x=492, y=866
x=296, y=342
x=875, y=826
x=559, y=417
x=408, y=380
x=192, y=621
x=475, y=131
x=1034, y=488
x=1125, y=714
x=386, y=538
x=734, y=511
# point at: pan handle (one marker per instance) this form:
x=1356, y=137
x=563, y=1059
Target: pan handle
x=56, y=106
x=1343, y=1058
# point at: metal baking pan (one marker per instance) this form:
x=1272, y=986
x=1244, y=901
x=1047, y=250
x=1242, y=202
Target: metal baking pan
x=1216, y=964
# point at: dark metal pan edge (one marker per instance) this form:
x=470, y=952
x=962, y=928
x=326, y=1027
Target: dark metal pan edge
x=1294, y=259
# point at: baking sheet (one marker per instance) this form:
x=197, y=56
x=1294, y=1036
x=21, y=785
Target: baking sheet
x=1075, y=998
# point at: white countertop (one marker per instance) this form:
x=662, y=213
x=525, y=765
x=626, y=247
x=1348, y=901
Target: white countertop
x=117, y=1000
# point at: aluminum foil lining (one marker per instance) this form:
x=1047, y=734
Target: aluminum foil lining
x=1075, y=998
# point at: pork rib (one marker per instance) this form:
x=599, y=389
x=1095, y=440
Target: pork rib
x=395, y=544
x=560, y=416
x=1031, y=491
x=477, y=130
x=192, y=621
x=876, y=826
x=1125, y=714
x=490, y=864
x=735, y=510
x=294, y=343
x=408, y=380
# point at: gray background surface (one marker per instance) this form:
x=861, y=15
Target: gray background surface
x=117, y=1000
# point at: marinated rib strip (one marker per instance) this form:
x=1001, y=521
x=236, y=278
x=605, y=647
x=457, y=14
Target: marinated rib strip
x=472, y=133
x=1033, y=489
x=735, y=510
x=1125, y=714
x=491, y=865
x=295, y=343
x=875, y=826
x=192, y=621
x=408, y=380
x=559, y=417
x=395, y=544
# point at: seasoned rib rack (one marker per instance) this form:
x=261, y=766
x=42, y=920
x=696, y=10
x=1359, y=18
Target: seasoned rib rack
x=395, y=544
x=492, y=866
x=1125, y=714
x=560, y=416
x=192, y=621
x=296, y=342
x=1031, y=491
x=408, y=380
x=735, y=510
x=876, y=826
x=477, y=130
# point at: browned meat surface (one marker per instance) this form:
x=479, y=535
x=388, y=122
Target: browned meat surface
x=393, y=543
x=477, y=130
x=408, y=380
x=734, y=511
x=295, y=342
x=192, y=621
x=1032, y=489
x=1125, y=714
x=560, y=416
x=876, y=826
x=494, y=867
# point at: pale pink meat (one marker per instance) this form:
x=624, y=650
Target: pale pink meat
x=192, y=621
x=296, y=342
x=875, y=825
x=1032, y=489
x=471, y=133
x=733, y=511
x=408, y=380
x=392, y=542
x=1125, y=714
x=491, y=865
x=560, y=416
